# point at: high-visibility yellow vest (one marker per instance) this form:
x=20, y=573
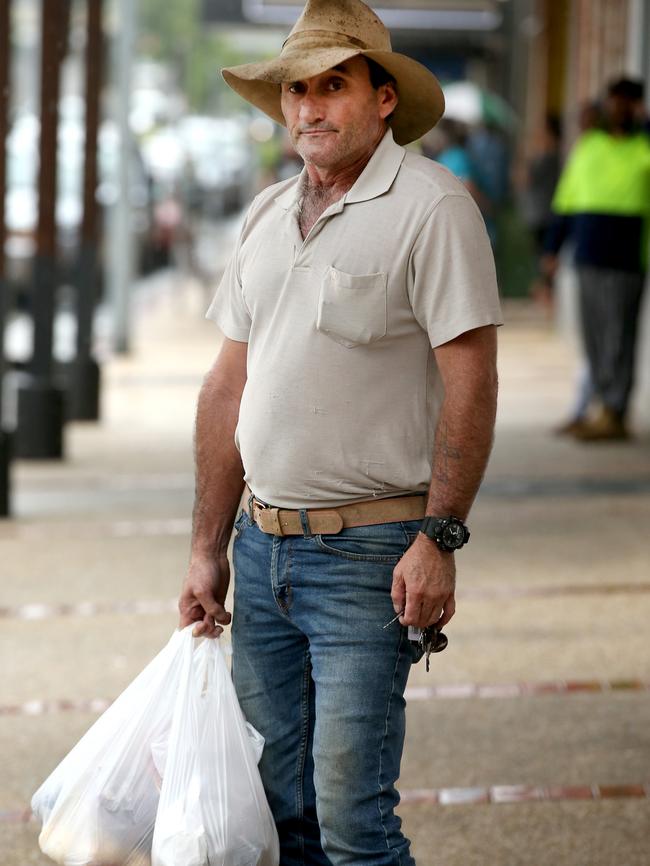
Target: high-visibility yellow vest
x=606, y=174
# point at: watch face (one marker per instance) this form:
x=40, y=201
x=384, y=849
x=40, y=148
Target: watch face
x=453, y=535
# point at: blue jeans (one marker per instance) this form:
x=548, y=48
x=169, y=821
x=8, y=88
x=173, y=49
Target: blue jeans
x=323, y=682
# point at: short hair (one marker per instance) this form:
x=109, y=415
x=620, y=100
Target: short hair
x=628, y=88
x=378, y=75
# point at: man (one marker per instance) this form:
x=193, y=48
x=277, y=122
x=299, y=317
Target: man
x=603, y=202
x=325, y=399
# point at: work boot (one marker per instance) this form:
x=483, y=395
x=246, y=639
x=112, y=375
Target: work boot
x=605, y=425
x=569, y=428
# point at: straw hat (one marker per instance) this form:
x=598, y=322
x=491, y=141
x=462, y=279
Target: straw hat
x=327, y=33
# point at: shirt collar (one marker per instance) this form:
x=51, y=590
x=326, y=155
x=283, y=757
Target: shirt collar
x=291, y=196
x=376, y=178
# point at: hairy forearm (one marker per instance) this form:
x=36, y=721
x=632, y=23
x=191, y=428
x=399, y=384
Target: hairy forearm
x=219, y=470
x=462, y=446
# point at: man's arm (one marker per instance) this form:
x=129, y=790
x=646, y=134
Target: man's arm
x=219, y=486
x=424, y=579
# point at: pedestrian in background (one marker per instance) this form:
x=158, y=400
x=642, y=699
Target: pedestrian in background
x=446, y=143
x=355, y=393
x=489, y=150
x=541, y=177
x=590, y=116
x=603, y=202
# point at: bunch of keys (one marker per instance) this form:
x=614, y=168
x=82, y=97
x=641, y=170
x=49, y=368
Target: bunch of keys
x=429, y=639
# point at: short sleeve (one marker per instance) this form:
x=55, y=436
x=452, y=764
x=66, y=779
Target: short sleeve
x=452, y=283
x=228, y=308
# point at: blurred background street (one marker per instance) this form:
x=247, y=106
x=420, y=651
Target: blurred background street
x=528, y=742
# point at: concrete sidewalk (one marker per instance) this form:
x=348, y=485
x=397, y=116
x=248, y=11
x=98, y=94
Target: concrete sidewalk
x=529, y=740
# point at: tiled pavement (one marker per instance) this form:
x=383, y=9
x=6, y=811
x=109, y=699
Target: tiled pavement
x=529, y=740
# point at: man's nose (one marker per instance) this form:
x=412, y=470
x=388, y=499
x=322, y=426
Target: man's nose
x=311, y=109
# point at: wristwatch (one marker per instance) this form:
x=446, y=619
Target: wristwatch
x=449, y=533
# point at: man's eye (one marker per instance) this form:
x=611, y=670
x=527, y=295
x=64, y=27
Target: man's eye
x=335, y=84
x=295, y=88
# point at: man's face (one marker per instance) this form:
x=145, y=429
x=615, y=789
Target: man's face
x=621, y=112
x=335, y=118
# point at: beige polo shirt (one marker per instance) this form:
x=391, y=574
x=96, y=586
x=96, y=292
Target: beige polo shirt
x=343, y=391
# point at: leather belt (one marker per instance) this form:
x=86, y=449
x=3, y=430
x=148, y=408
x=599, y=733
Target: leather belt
x=329, y=521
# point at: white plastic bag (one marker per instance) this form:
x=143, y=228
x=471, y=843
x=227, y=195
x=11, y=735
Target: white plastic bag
x=213, y=810
x=99, y=805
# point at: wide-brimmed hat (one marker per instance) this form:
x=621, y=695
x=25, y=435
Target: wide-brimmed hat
x=327, y=33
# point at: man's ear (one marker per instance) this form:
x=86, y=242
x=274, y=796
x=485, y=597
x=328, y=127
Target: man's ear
x=388, y=99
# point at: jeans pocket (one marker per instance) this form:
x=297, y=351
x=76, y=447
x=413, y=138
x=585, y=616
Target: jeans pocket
x=242, y=521
x=386, y=543
x=352, y=308
x=411, y=529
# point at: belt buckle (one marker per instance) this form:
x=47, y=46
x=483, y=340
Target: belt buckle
x=270, y=519
x=255, y=504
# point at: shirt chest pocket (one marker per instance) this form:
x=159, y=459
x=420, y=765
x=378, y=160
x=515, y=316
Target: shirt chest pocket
x=352, y=307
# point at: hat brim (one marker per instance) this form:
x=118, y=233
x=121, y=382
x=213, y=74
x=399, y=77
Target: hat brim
x=421, y=102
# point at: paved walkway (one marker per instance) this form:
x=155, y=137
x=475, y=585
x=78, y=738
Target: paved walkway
x=529, y=740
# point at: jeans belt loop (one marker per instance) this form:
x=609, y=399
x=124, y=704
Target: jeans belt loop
x=304, y=522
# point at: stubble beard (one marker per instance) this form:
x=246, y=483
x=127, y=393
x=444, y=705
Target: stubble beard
x=326, y=155
x=343, y=150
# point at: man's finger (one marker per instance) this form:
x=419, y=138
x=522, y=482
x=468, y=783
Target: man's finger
x=425, y=607
x=207, y=628
x=199, y=629
x=412, y=609
x=398, y=593
x=448, y=612
x=430, y=614
x=210, y=606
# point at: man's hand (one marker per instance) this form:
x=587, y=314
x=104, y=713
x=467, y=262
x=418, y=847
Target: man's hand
x=203, y=596
x=424, y=582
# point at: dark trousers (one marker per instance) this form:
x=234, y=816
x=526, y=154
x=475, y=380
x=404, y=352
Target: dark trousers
x=609, y=308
